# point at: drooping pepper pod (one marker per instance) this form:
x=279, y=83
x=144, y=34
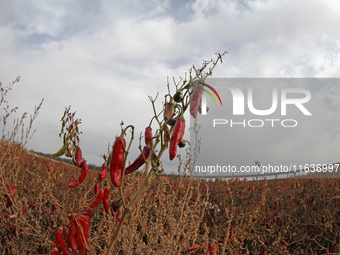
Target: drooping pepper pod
x=83, y=173
x=103, y=172
x=176, y=136
x=97, y=200
x=96, y=188
x=139, y=161
x=11, y=190
x=148, y=136
x=115, y=205
x=88, y=213
x=106, y=198
x=117, y=160
x=63, y=149
x=82, y=234
x=72, y=239
x=195, y=100
x=79, y=156
x=168, y=110
x=49, y=212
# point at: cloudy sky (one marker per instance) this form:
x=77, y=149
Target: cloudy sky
x=104, y=58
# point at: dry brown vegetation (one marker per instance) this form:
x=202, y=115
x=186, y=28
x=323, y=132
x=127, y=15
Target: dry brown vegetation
x=185, y=216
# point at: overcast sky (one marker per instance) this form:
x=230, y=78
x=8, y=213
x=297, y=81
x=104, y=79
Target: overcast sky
x=105, y=57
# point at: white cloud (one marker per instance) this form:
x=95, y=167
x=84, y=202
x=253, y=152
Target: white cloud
x=105, y=58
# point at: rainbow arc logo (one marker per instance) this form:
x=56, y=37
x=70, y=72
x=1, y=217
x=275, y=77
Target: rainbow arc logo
x=204, y=101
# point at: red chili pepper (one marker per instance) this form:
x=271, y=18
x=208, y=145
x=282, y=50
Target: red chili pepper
x=116, y=205
x=55, y=251
x=11, y=189
x=79, y=156
x=49, y=212
x=117, y=160
x=148, y=136
x=195, y=247
x=61, y=243
x=139, y=161
x=97, y=200
x=88, y=213
x=10, y=216
x=176, y=137
x=82, y=234
x=83, y=173
x=168, y=110
x=209, y=249
x=96, y=188
x=71, y=240
x=9, y=201
x=106, y=199
x=195, y=101
x=103, y=172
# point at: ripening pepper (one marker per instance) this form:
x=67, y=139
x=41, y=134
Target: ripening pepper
x=79, y=156
x=148, y=136
x=176, y=136
x=195, y=101
x=168, y=110
x=117, y=160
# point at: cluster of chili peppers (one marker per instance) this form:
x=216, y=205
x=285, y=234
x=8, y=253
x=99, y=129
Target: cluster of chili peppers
x=76, y=239
x=143, y=157
x=101, y=195
x=81, y=164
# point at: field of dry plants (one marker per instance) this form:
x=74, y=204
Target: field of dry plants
x=289, y=216
x=50, y=207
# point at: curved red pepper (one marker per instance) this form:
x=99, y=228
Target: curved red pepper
x=139, y=161
x=106, y=199
x=195, y=247
x=49, y=212
x=195, y=101
x=176, y=137
x=82, y=234
x=83, y=173
x=117, y=160
x=61, y=242
x=97, y=200
x=10, y=216
x=103, y=172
